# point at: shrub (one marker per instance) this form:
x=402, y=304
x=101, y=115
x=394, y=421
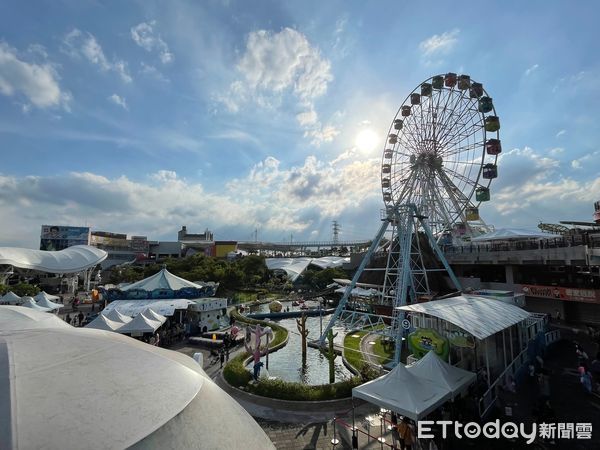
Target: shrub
x=235, y=373
x=287, y=390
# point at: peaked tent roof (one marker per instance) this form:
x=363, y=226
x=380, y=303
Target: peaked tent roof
x=118, y=373
x=29, y=302
x=161, y=280
x=44, y=294
x=44, y=302
x=504, y=234
x=431, y=367
x=135, y=307
x=114, y=315
x=150, y=314
x=22, y=318
x=140, y=324
x=294, y=267
x=401, y=391
x=10, y=297
x=482, y=317
x=70, y=260
x=103, y=323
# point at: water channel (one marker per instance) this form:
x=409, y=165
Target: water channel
x=286, y=363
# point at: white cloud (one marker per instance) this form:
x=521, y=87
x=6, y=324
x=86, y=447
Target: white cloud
x=144, y=36
x=556, y=151
x=277, y=64
x=586, y=161
x=120, y=101
x=439, y=43
x=38, y=83
x=531, y=69
x=151, y=71
x=560, y=133
x=576, y=164
x=321, y=134
x=296, y=199
x=85, y=45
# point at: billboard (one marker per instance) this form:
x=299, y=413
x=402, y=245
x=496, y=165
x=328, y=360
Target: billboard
x=562, y=293
x=103, y=238
x=139, y=244
x=59, y=237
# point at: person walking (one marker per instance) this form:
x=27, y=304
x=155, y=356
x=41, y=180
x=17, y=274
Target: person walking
x=80, y=316
x=222, y=357
x=68, y=319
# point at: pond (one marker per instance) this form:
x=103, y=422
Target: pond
x=286, y=363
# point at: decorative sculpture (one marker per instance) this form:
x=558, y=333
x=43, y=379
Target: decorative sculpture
x=330, y=355
x=257, y=351
x=301, y=324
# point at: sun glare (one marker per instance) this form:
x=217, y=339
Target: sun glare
x=366, y=140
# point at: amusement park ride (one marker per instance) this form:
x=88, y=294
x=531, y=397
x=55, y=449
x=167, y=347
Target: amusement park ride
x=438, y=162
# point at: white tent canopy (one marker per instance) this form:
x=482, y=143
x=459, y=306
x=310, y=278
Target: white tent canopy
x=10, y=297
x=46, y=303
x=161, y=280
x=479, y=316
x=114, y=315
x=142, y=324
x=70, y=260
x=358, y=292
x=40, y=295
x=294, y=267
x=103, y=323
x=402, y=392
x=508, y=234
x=120, y=393
x=29, y=302
x=430, y=367
x=134, y=307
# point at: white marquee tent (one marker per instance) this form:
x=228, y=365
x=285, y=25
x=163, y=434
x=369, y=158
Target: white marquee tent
x=11, y=298
x=161, y=280
x=103, y=323
x=403, y=392
x=142, y=324
x=121, y=393
x=511, y=234
x=114, y=315
x=29, y=302
x=20, y=318
x=42, y=299
x=430, y=367
x=135, y=307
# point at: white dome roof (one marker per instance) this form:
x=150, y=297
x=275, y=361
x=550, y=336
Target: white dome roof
x=72, y=388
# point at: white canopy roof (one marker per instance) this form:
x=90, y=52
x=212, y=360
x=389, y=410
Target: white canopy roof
x=481, y=317
x=402, y=392
x=504, y=234
x=44, y=301
x=119, y=393
x=142, y=324
x=70, y=260
x=29, y=302
x=431, y=367
x=10, y=297
x=103, y=323
x=161, y=280
x=134, y=307
x=44, y=294
x=294, y=267
x=358, y=292
x=114, y=315
x=20, y=318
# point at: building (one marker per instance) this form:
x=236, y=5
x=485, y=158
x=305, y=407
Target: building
x=59, y=237
x=120, y=249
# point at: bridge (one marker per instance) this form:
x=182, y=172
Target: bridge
x=321, y=248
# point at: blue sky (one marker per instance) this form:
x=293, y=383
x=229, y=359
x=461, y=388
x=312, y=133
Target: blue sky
x=140, y=117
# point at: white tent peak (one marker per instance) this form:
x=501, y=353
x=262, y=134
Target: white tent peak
x=152, y=315
x=29, y=302
x=161, y=280
x=10, y=297
x=115, y=316
x=44, y=301
x=431, y=367
x=104, y=323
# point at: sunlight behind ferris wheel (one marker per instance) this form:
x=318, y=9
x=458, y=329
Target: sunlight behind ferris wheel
x=367, y=140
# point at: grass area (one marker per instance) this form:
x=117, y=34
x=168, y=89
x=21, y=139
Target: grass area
x=352, y=351
x=384, y=353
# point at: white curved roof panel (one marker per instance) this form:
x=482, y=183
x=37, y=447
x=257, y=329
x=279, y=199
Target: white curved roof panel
x=70, y=260
x=479, y=316
x=121, y=391
x=22, y=318
x=294, y=267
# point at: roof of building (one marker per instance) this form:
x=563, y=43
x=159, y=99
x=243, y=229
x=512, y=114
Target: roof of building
x=118, y=392
x=294, y=267
x=481, y=317
x=70, y=260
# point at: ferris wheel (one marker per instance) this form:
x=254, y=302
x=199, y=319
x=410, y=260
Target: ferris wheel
x=441, y=153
